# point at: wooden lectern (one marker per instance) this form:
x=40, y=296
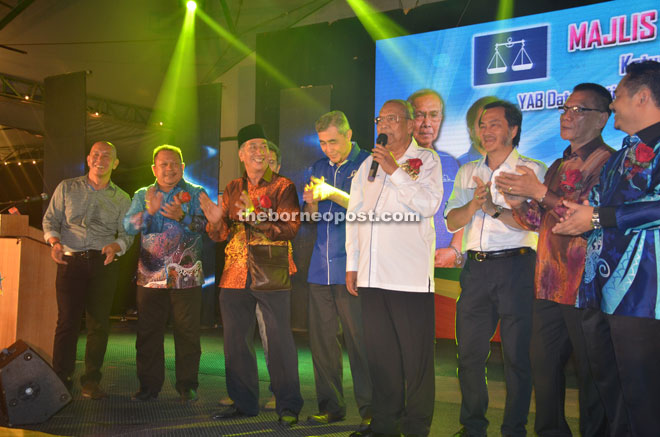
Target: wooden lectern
x=28, y=307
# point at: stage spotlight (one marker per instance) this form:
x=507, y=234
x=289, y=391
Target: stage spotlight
x=191, y=5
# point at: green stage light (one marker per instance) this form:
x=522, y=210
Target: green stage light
x=380, y=27
x=176, y=105
x=505, y=10
x=238, y=45
x=191, y=5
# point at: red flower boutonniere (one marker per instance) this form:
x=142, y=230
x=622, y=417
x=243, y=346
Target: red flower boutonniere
x=571, y=181
x=184, y=197
x=265, y=202
x=412, y=167
x=415, y=163
x=638, y=159
x=644, y=154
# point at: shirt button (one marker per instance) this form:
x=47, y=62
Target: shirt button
x=330, y=261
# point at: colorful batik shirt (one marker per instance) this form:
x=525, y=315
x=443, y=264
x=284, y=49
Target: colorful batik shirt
x=171, y=251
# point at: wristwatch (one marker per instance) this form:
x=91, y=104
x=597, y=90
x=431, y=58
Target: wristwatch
x=595, y=218
x=459, y=256
x=498, y=211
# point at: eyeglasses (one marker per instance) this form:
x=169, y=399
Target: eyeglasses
x=389, y=119
x=432, y=115
x=576, y=110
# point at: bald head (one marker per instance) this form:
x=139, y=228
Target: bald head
x=106, y=145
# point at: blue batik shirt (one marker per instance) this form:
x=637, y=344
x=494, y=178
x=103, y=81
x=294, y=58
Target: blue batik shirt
x=328, y=263
x=623, y=258
x=171, y=251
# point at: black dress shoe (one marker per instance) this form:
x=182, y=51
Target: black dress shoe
x=143, y=395
x=368, y=432
x=324, y=418
x=288, y=419
x=464, y=433
x=228, y=413
x=363, y=432
x=188, y=395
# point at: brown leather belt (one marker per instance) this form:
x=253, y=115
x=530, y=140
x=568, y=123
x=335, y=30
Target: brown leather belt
x=85, y=254
x=483, y=256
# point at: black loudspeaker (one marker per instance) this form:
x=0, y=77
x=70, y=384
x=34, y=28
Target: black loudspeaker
x=30, y=391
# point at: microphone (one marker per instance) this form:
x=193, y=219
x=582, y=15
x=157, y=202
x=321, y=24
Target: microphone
x=29, y=199
x=382, y=140
x=40, y=197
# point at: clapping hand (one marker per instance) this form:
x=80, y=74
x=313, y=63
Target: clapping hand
x=480, y=193
x=516, y=187
x=576, y=220
x=173, y=209
x=153, y=200
x=245, y=203
x=212, y=212
x=317, y=190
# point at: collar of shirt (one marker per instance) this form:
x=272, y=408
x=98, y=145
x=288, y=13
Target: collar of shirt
x=508, y=165
x=352, y=155
x=584, y=151
x=411, y=151
x=266, y=178
x=111, y=185
x=182, y=185
x=650, y=135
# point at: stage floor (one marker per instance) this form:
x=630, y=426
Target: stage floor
x=117, y=415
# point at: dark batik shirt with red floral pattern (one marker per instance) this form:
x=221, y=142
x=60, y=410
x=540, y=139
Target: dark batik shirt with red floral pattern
x=560, y=258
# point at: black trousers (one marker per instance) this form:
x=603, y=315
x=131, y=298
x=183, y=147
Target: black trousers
x=624, y=354
x=154, y=307
x=84, y=284
x=556, y=334
x=399, y=335
x=495, y=290
x=238, y=313
x=334, y=311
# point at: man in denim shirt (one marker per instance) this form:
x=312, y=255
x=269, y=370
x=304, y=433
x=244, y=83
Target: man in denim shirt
x=331, y=308
x=169, y=277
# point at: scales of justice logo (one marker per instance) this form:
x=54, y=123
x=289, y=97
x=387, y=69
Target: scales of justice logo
x=510, y=56
x=521, y=62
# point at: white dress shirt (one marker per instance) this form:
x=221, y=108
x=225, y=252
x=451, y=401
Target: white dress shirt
x=484, y=233
x=395, y=255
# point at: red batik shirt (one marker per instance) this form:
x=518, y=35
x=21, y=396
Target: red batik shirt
x=560, y=258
